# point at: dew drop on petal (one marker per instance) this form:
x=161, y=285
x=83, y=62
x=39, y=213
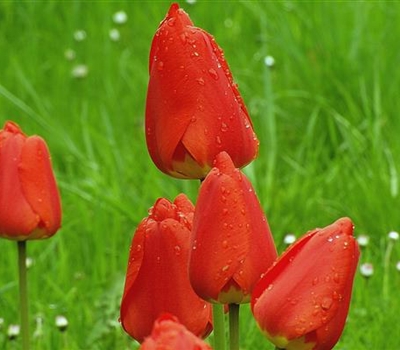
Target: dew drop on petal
x=177, y=250
x=326, y=303
x=213, y=73
x=200, y=81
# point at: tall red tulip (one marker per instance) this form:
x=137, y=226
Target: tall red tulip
x=157, y=279
x=194, y=109
x=231, y=241
x=303, y=300
x=168, y=333
x=29, y=200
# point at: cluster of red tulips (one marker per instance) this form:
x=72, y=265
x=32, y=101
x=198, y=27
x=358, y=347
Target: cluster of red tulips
x=188, y=263
x=186, y=258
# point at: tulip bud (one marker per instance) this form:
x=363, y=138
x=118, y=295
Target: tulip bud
x=168, y=333
x=29, y=200
x=194, y=109
x=157, y=278
x=231, y=241
x=303, y=300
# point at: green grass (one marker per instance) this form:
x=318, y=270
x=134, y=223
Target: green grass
x=326, y=114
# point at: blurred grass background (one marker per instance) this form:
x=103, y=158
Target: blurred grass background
x=326, y=113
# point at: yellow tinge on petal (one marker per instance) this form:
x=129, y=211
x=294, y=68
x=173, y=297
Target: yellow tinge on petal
x=233, y=294
x=188, y=168
x=295, y=344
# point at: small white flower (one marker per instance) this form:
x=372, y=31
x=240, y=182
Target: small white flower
x=393, y=235
x=289, y=238
x=61, y=323
x=80, y=71
x=367, y=269
x=114, y=34
x=269, y=61
x=363, y=240
x=70, y=54
x=28, y=262
x=191, y=2
x=79, y=35
x=13, y=331
x=120, y=17
x=398, y=266
x=39, y=327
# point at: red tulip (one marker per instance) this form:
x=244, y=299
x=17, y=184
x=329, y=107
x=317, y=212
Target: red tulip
x=194, y=109
x=29, y=200
x=168, y=333
x=231, y=241
x=157, y=279
x=302, y=302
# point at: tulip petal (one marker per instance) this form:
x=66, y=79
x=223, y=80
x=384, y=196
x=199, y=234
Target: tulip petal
x=157, y=279
x=193, y=107
x=306, y=295
x=228, y=220
x=17, y=218
x=39, y=185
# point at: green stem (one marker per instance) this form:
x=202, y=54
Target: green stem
x=234, y=326
x=219, y=327
x=23, y=294
x=386, y=265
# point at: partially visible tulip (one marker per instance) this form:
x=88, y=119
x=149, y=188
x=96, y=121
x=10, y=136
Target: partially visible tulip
x=302, y=302
x=231, y=241
x=168, y=333
x=29, y=199
x=157, y=279
x=194, y=109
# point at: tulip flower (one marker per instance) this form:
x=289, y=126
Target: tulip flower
x=302, y=302
x=194, y=109
x=29, y=199
x=168, y=333
x=157, y=279
x=231, y=241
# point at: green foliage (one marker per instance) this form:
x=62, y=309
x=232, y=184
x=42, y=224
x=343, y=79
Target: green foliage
x=326, y=114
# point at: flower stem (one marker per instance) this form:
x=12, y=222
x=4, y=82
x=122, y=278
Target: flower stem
x=23, y=294
x=219, y=327
x=234, y=326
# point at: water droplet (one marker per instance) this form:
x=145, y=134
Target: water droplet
x=336, y=278
x=300, y=330
x=225, y=268
x=160, y=65
x=171, y=22
x=326, y=303
x=213, y=74
x=327, y=278
x=218, y=140
x=225, y=210
x=315, y=281
x=138, y=248
x=194, y=54
x=177, y=250
x=205, y=131
x=224, y=127
x=193, y=119
x=158, y=259
x=270, y=287
x=183, y=38
x=200, y=81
